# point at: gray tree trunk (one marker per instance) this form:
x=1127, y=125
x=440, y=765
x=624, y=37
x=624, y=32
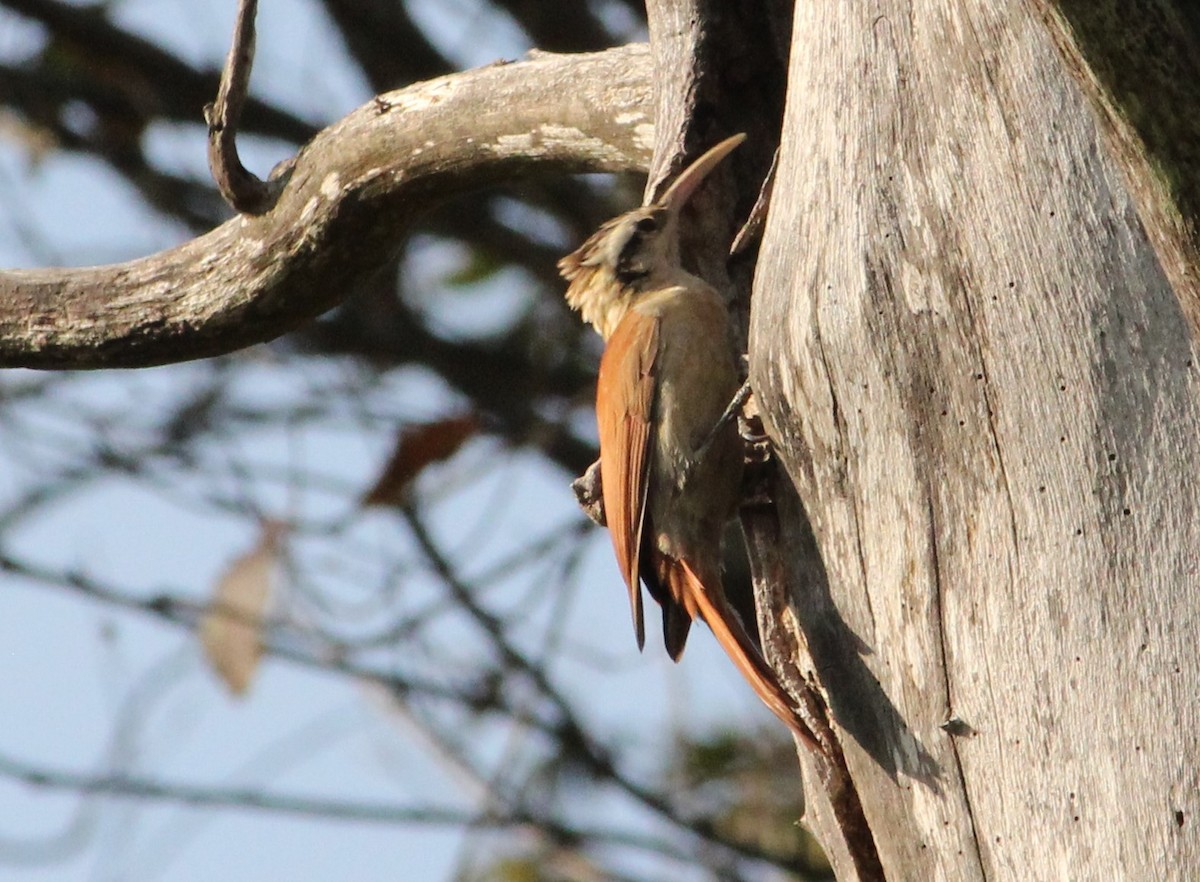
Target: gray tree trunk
x=972, y=338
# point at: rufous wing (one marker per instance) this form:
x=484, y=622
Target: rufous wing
x=624, y=411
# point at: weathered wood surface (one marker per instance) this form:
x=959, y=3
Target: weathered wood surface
x=985, y=390
x=718, y=69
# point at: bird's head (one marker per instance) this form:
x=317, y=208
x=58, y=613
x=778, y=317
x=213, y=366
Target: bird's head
x=634, y=252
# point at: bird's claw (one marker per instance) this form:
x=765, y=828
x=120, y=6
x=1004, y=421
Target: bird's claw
x=750, y=430
x=752, y=437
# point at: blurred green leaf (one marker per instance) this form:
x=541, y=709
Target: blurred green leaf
x=479, y=267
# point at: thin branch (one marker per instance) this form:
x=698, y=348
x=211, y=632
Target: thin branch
x=372, y=29
x=136, y=787
x=342, y=212
x=242, y=189
x=560, y=27
x=571, y=733
x=168, y=608
x=567, y=731
x=176, y=90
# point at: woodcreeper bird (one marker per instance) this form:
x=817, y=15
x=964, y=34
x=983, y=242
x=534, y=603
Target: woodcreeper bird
x=670, y=469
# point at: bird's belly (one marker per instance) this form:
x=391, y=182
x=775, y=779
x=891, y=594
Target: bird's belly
x=697, y=379
x=694, y=488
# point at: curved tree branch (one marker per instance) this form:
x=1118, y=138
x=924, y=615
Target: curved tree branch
x=340, y=214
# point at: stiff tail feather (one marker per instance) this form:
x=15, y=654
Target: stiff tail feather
x=727, y=627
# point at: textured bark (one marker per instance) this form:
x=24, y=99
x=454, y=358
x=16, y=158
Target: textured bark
x=719, y=69
x=1138, y=61
x=339, y=214
x=971, y=342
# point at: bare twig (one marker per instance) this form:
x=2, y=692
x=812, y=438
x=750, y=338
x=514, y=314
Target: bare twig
x=563, y=725
x=751, y=230
x=242, y=189
x=571, y=733
x=130, y=786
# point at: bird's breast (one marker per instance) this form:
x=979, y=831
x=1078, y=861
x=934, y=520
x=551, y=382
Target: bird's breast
x=696, y=374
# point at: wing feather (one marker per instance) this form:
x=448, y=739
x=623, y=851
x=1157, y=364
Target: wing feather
x=625, y=412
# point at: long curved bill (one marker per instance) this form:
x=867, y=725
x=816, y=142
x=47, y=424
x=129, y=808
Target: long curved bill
x=691, y=177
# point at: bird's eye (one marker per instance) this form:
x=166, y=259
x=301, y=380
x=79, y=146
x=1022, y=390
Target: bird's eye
x=647, y=225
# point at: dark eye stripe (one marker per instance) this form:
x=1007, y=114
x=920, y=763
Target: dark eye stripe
x=627, y=275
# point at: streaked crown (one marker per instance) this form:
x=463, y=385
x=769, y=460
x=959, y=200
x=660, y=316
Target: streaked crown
x=632, y=252
x=614, y=265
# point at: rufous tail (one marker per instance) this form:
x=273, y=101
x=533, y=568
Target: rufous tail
x=727, y=627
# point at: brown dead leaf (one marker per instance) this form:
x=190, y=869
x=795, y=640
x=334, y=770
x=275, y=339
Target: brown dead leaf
x=419, y=446
x=231, y=630
x=38, y=141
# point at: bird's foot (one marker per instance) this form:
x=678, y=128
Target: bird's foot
x=749, y=428
x=731, y=412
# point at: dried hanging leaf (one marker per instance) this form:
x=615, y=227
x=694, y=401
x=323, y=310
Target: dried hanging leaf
x=231, y=630
x=418, y=446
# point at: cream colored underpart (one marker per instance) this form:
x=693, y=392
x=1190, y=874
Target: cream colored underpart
x=601, y=301
x=605, y=316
